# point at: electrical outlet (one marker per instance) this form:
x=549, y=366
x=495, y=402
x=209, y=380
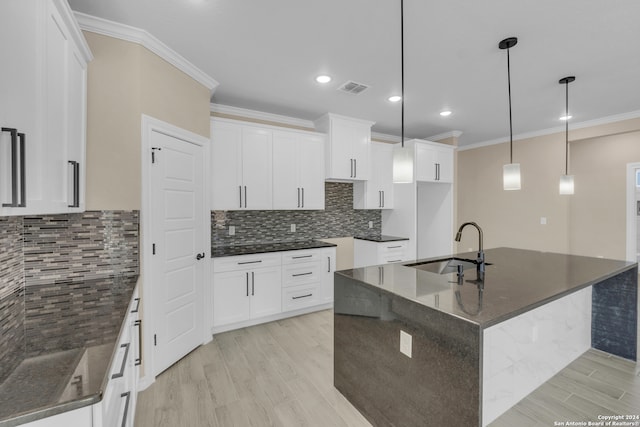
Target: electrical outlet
x=293, y=228
x=543, y=220
x=405, y=343
x=370, y=224
x=232, y=230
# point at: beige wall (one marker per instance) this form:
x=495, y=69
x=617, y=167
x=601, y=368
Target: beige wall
x=591, y=222
x=125, y=80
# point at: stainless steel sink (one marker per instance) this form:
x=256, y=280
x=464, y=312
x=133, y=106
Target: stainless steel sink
x=445, y=266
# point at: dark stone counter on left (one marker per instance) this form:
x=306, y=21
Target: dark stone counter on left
x=71, y=331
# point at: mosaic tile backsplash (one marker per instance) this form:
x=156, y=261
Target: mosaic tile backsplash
x=339, y=219
x=89, y=245
x=46, y=256
x=12, y=335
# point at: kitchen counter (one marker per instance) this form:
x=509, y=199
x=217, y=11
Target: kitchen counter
x=381, y=238
x=415, y=348
x=222, y=251
x=66, y=367
x=516, y=281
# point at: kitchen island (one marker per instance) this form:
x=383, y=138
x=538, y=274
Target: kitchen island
x=418, y=348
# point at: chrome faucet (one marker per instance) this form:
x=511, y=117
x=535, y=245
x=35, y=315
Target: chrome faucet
x=480, y=259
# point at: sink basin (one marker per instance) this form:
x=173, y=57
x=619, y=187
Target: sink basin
x=445, y=266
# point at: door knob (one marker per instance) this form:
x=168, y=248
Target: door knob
x=200, y=256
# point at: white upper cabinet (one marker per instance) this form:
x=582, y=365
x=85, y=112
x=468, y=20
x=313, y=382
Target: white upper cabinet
x=43, y=108
x=298, y=170
x=377, y=192
x=434, y=163
x=241, y=166
x=348, y=150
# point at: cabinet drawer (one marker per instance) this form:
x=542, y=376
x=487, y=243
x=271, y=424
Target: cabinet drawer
x=244, y=262
x=297, y=257
x=299, y=274
x=296, y=297
x=392, y=251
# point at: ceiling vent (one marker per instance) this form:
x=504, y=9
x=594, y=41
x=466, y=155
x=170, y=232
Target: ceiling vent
x=353, y=88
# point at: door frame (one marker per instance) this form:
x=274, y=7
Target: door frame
x=632, y=216
x=149, y=125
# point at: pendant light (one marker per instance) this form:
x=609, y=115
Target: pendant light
x=511, y=171
x=402, y=156
x=566, y=180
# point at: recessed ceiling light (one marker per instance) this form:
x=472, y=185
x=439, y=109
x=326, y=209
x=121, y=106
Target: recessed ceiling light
x=323, y=79
x=445, y=113
x=565, y=117
x=395, y=98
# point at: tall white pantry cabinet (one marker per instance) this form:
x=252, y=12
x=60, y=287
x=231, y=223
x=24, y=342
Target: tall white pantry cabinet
x=43, y=82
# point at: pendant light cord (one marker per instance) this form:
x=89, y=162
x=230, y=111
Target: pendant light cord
x=510, y=119
x=402, y=69
x=566, y=129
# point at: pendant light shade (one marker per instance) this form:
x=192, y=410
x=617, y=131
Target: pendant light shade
x=511, y=176
x=566, y=180
x=402, y=156
x=511, y=171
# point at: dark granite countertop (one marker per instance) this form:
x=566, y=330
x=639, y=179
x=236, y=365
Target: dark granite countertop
x=381, y=238
x=222, y=251
x=82, y=344
x=516, y=281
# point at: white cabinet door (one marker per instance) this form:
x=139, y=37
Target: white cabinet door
x=348, y=149
x=226, y=154
x=256, y=168
x=286, y=188
x=377, y=192
x=265, y=291
x=434, y=164
x=426, y=159
x=445, y=165
x=45, y=97
x=231, y=297
x=311, y=171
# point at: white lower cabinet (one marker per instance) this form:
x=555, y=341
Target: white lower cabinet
x=366, y=252
x=250, y=289
x=118, y=404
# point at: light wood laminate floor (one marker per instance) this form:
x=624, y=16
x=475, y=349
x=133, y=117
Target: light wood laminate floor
x=281, y=374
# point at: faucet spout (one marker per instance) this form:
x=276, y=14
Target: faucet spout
x=458, y=237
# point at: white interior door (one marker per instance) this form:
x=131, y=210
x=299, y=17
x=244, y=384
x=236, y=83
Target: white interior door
x=177, y=202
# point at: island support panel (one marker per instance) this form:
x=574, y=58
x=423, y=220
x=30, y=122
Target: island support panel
x=614, y=321
x=390, y=388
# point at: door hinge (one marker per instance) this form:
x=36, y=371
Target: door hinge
x=153, y=153
x=155, y=339
x=153, y=249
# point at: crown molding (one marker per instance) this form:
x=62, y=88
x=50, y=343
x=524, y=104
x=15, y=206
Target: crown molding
x=385, y=137
x=441, y=136
x=580, y=125
x=260, y=115
x=144, y=38
x=76, y=34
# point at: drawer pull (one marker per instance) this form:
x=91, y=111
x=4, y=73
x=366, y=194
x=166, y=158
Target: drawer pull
x=302, y=274
x=394, y=247
x=138, y=324
x=126, y=395
x=302, y=296
x=249, y=262
x=124, y=361
x=394, y=260
x=135, y=310
x=302, y=256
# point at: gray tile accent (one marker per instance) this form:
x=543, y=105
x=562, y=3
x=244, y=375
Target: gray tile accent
x=12, y=336
x=89, y=245
x=339, y=219
x=615, y=315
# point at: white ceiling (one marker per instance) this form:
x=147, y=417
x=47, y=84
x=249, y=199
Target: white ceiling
x=266, y=53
